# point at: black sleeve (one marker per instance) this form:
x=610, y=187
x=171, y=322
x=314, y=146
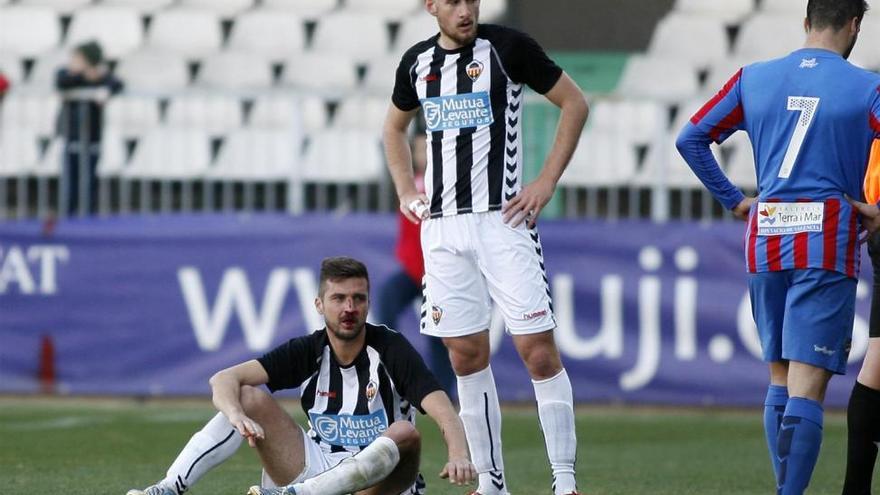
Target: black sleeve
x=404, y=96
x=64, y=79
x=113, y=83
x=289, y=364
x=531, y=65
x=411, y=375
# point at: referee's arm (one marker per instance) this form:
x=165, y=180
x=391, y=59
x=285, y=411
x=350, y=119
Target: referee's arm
x=399, y=158
x=459, y=468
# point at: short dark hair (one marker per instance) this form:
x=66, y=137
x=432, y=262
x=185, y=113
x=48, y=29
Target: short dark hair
x=341, y=268
x=834, y=13
x=91, y=51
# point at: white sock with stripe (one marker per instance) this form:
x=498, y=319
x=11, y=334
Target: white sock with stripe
x=481, y=415
x=366, y=469
x=556, y=411
x=209, y=447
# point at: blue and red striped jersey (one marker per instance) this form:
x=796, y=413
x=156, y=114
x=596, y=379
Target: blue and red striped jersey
x=811, y=117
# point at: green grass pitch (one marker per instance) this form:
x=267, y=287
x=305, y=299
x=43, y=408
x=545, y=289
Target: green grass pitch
x=108, y=446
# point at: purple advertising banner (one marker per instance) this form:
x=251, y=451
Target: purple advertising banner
x=648, y=313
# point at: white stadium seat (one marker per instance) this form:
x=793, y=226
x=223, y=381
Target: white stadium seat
x=212, y=112
x=34, y=110
x=142, y=6
x=414, y=29
x=329, y=74
x=388, y=9
x=720, y=73
x=307, y=9
x=602, y=159
x=637, y=121
x=171, y=153
x=347, y=156
x=132, y=115
x=359, y=111
x=234, y=71
x=11, y=67
x=257, y=155
x=665, y=165
x=271, y=34
x=729, y=11
x=784, y=7
x=380, y=76
x=64, y=7
x=741, y=165
x=49, y=165
x=492, y=10
x=663, y=79
x=767, y=36
x=28, y=31
x=359, y=36
x=866, y=53
x=190, y=32
x=112, y=160
x=152, y=71
x=118, y=29
x=278, y=110
x=19, y=151
x=675, y=34
x=224, y=8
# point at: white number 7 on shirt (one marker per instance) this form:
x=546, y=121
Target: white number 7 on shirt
x=807, y=107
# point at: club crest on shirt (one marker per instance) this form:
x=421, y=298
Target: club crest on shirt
x=474, y=69
x=436, y=314
x=371, y=390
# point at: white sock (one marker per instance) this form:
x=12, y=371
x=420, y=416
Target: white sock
x=366, y=469
x=481, y=416
x=209, y=447
x=556, y=411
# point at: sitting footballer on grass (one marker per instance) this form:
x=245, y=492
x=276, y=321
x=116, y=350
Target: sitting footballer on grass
x=360, y=385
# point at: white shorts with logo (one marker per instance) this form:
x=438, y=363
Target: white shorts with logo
x=317, y=461
x=473, y=259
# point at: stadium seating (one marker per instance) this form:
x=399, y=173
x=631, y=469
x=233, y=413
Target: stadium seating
x=359, y=111
x=119, y=30
x=865, y=53
x=387, y=9
x=279, y=110
x=193, y=33
x=675, y=34
x=64, y=7
x=307, y=9
x=131, y=116
x=602, y=159
x=224, y=8
x=142, y=6
x=342, y=156
x=139, y=72
x=380, y=76
x=28, y=31
x=33, y=110
x=234, y=71
x=729, y=11
x=492, y=10
x=170, y=153
x=722, y=71
x=42, y=76
x=19, y=150
x=741, y=165
x=11, y=68
x=326, y=74
x=784, y=7
x=365, y=36
x=640, y=79
x=766, y=36
x=413, y=29
x=214, y=113
x=636, y=121
x=272, y=34
x=257, y=155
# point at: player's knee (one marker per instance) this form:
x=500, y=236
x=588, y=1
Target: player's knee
x=253, y=399
x=467, y=360
x=405, y=435
x=543, y=363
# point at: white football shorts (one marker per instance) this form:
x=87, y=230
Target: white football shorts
x=473, y=259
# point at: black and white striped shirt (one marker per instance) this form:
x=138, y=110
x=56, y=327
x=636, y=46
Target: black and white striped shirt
x=350, y=405
x=472, y=99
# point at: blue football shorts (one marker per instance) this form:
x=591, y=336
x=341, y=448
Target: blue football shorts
x=804, y=315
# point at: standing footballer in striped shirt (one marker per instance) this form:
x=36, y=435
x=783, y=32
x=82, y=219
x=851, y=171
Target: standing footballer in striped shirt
x=811, y=117
x=359, y=385
x=478, y=232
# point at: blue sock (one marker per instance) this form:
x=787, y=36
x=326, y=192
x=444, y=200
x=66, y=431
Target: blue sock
x=774, y=408
x=800, y=437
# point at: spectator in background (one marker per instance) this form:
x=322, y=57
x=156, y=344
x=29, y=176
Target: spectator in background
x=85, y=83
x=4, y=85
x=399, y=291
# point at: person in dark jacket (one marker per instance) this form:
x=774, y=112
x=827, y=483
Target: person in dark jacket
x=85, y=84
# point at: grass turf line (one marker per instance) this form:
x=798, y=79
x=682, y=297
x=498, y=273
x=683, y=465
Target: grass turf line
x=108, y=447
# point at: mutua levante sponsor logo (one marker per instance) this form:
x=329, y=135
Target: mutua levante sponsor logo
x=348, y=429
x=457, y=111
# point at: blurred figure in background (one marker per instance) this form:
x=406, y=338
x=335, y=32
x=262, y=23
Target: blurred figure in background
x=4, y=85
x=85, y=83
x=399, y=291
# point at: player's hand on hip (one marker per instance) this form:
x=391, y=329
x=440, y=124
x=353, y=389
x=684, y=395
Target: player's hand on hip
x=415, y=207
x=459, y=471
x=248, y=428
x=870, y=215
x=741, y=211
x=527, y=205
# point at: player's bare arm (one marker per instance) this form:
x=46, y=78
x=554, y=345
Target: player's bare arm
x=459, y=469
x=226, y=388
x=399, y=158
x=741, y=211
x=528, y=204
x=870, y=215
